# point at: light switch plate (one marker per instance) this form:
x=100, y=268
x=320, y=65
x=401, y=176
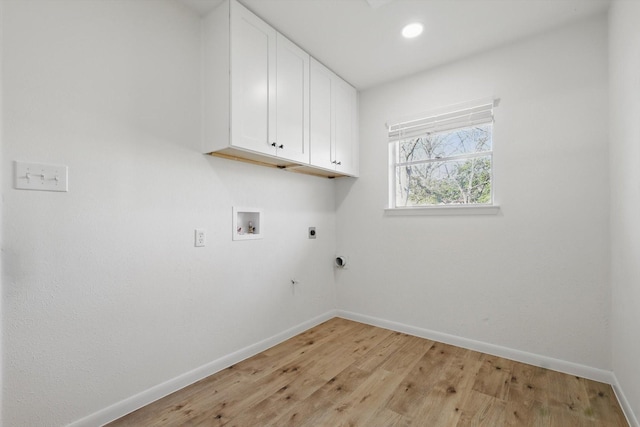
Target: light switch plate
x=36, y=176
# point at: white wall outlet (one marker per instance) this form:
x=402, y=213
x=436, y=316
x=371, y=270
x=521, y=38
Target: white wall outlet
x=200, y=237
x=36, y=176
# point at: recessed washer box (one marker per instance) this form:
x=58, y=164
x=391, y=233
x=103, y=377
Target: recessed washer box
x=247, y=224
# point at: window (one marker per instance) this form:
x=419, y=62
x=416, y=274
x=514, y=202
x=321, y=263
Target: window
x=443, y=160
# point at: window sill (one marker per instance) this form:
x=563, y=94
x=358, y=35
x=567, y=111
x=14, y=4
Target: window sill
x=444, y=210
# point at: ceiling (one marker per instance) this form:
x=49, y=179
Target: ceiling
x=360, y=39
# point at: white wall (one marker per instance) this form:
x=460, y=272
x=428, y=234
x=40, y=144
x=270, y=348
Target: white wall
x=104, y=293
x=624, y=45
x=534, y=278
x=1, y=210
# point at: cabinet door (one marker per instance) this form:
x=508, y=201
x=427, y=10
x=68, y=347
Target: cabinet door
x=292, y=101
x=321, y=136
x=253, y=81
x=346, y=139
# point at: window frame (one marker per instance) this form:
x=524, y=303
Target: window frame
x=433, y=120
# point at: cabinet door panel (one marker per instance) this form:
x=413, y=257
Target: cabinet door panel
x=252, y=81
x=321, y=116
x=292, y=93
x=345, y=122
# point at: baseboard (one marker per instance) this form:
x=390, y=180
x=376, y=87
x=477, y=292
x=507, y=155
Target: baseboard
x=139, y=400
x=624, y=403
x=588, y=372
x=146, y=397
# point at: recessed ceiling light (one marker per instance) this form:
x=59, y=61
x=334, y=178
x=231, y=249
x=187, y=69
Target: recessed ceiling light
x=412, y=30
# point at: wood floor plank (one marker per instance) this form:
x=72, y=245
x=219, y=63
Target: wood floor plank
x=441, y=406
x=360, y=341
x=519, y=409
x=314, y=340
x=480, y=410
x=415, y=386
x=344, y=373
x=406, y=357
x=236, y=402
x=316, y=406
x=385, y=417
x=494, y=377
x=287, y=397
x=604, y=404
x=568, y=398
x=179, y=407
x=359, y=406
x=374, y=358
x=329, y=330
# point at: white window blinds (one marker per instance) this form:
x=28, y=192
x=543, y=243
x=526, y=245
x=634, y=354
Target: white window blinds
x=459, y=118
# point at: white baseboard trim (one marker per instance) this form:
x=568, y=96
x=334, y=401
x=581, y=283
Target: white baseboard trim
x=141, y=399
x=571, y=368
x=624, y=403
x=146, y=397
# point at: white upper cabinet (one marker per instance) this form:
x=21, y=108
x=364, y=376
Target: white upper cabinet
x=322, y=82
x=292, y=102
x=334, y=122
x=269, y=89
x=257, y=98
x=253, y=82
x=346, y=124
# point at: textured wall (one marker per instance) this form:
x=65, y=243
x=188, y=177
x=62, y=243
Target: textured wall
x=104, y=293
x=535, y=277
x=1, y=209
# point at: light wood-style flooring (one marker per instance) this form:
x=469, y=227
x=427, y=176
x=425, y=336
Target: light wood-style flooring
x=344, y=373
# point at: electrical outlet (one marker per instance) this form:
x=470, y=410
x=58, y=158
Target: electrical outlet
x=200, y=237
